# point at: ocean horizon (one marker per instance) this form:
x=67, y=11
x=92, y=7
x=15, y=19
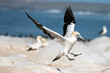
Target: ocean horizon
x=90, y=17
x=15, y=22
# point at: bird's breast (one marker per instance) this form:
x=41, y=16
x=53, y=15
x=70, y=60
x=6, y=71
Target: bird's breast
x=68, y=44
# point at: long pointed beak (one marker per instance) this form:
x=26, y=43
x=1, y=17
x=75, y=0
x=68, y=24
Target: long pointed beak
x=81, y=37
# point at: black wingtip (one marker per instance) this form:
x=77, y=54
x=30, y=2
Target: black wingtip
x=69, y=8
x=37, y=23
x=28, y=15
x=68, y=16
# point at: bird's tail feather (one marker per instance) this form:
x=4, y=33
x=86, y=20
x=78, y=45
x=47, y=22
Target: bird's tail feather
x=30, y=49
x=56, y=58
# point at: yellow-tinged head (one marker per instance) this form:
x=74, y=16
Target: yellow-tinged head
x=77, y=35
x=43, y=40
x=38, y=37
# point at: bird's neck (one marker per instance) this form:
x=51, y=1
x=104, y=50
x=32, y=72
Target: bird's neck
x=38, y=40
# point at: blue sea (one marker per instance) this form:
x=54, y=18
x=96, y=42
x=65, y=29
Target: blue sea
x=15, y=22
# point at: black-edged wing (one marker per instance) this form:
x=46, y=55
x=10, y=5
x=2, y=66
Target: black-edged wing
x=69, y=22
x=47, y=31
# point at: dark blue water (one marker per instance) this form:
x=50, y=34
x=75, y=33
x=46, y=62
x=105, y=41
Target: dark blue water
x=16, y=22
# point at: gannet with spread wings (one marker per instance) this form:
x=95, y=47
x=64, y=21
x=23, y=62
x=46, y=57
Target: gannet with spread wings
x=66, y=42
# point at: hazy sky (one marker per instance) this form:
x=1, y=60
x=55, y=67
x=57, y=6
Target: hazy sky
x=93, y=1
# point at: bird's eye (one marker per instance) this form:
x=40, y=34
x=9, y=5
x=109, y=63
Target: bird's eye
x=77, y=35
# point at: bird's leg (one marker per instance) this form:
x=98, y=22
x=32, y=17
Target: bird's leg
x=69, y=58
x=66, y=54
x=75, y=55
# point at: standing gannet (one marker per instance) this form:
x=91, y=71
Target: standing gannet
x=103, y=31
x=37, y=44
x=44, y=42
x=66, y=42
x=69, y=22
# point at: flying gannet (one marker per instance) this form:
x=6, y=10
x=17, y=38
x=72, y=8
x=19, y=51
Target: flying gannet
x=103, y=31
x=66, y=42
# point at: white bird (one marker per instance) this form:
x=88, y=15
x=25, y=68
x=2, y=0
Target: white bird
x=44, y=42
x=103, y=31
x=37, y=44
x=66, y=42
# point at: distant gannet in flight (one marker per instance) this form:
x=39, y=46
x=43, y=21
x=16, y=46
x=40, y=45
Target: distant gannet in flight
x=103, y=31
x=37, y=44
x=66, y=42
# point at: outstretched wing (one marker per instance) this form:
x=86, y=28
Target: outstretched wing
x=50, y=33
x=69, y=22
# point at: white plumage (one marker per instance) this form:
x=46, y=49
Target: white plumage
x=69, y=30
x=67, y=45
x=37, y=44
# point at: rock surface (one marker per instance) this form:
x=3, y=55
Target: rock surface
x=14, y=58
